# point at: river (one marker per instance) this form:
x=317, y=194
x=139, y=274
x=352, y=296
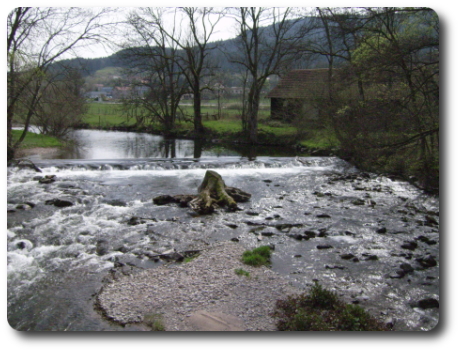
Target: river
x=372, y=239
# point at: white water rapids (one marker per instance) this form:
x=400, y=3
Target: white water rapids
x=58, y=257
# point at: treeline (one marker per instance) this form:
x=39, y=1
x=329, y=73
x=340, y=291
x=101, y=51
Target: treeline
x=382, y=100
x=383, y=103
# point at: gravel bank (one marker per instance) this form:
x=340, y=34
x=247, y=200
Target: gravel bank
x=204, y=294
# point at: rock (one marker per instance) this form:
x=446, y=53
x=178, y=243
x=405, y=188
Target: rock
x=296, y=236
x=252, y=213
x=102, y=247
x=60, y=203
x=427, y=261
x=371, y=257
x=430, y=220
x=116, y=203
x=323, y=216
x=310, y=234
x=407, y=268
x=183, y=200
x=411, y=245
x=136, y=221
x=324, y=246
x=347, y=256
x=426, y=240
x=382, y=230
x=359, y=202
x=47, y=179
x=238, y=195
x=163, y=199
x=428, y=303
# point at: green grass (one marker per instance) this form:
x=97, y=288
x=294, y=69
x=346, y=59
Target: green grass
x=34, y=140
x=242, y=272
x=320, y=139
x=258, y=256
x=154, y=322
x=321, y=310
x=106, y=115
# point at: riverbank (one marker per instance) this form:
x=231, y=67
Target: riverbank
x=46, y=147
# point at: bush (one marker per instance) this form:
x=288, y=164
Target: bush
x=321, y=310
x=258, y=256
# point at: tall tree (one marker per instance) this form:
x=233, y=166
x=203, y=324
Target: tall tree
x=200, y=23
x=36, y=38
x=267, y=40
x=397, y=57
x=153, y=56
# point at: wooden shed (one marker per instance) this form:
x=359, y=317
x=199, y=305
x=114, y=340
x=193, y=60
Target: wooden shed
x=298, y=94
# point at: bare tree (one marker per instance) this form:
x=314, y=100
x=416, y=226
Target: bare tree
x=267, y=40
x=153, y=55
x=37, y=38
x=192, y=30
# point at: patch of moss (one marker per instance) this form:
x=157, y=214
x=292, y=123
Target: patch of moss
x=154, y=322
x=242, y=272
x=321, y=310
x=258, y=256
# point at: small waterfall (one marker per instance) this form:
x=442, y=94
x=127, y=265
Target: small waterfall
x=62, y=253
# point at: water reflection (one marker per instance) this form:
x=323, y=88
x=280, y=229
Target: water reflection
x=97, y=144
x=93, y=144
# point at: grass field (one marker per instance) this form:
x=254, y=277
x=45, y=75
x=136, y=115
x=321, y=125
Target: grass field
x=34, y=140
x=101, y=115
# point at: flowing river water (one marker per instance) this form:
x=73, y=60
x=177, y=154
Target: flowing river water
x=372, y=239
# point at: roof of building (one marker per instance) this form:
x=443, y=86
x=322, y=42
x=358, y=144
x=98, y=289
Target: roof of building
x=301, y=84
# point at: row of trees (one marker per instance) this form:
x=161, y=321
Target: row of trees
x=175, y=57
x=383, y=85
x=383, y=105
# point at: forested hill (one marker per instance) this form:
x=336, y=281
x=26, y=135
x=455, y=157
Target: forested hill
x=219, y=56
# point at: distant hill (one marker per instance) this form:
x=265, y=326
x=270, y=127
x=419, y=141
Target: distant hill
x=89, y=67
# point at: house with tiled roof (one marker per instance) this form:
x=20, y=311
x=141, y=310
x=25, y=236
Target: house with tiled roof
x=298, y=93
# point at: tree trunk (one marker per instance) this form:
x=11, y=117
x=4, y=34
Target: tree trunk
x=253, y=110
x=212, y=192
x=198, y=125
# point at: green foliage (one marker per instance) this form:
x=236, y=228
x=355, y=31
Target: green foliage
x=154, y=322
x=189, y=259
x=241, y=272
x=321, y=310
x=258, y=256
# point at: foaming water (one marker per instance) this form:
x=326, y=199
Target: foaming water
x=62, y=254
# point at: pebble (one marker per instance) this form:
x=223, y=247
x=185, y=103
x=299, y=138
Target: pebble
x=206, y=285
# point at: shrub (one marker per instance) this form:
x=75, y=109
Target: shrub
x=258, y=256
x=321, y=310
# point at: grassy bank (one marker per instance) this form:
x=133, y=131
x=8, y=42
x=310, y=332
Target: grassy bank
x=34, y=140
x=227, y=128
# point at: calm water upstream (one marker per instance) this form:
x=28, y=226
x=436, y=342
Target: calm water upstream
x=373, y=240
